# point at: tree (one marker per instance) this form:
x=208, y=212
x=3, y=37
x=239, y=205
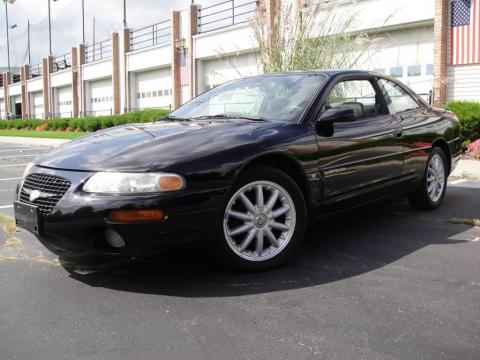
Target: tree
x=306, y=36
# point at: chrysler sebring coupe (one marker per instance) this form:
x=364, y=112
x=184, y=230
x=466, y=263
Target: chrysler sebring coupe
x=244, y=167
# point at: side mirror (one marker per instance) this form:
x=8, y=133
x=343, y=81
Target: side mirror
x=340, y=114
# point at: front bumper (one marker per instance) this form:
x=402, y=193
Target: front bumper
x=76, y=226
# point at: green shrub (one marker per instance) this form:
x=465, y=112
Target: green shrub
x=89, y=123
x=468, y=113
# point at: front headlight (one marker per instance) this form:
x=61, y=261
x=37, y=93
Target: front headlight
x=133, y=183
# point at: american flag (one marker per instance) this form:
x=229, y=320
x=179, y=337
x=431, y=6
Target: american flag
x=183, y=68
x=465, y=32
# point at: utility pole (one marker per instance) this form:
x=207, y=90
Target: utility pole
x=49, y=29
x=8, y=36
x=93, y=43
x=8, y=29
x=124, y=14
x=83, y=22
x=28, y=36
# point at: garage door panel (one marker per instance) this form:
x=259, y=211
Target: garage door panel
x=36, y=105
x=152, y=89
x=218, y=71
x=64, y=106
x=100, y=101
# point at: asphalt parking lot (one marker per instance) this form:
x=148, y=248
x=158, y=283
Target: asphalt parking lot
x=386, y=282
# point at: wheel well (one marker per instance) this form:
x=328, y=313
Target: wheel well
x=442, y=144
x=285, y=164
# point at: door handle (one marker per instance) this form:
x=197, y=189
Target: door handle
x=398, y=132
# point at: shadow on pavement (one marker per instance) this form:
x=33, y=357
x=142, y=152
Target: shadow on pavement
x=334, y=250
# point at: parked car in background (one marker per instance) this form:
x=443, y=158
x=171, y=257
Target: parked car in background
x=245, y=166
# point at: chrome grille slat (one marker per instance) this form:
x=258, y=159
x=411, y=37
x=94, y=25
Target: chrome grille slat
x=55, y=186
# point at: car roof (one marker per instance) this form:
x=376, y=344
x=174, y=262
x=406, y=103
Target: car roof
x=328, y=73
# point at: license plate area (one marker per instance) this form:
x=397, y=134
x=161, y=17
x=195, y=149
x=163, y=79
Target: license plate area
x=27, y=217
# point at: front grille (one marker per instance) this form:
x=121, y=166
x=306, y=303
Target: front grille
x=52, y=189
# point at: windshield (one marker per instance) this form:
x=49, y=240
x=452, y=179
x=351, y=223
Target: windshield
x=281, y=97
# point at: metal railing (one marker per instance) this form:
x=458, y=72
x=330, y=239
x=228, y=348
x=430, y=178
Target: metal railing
x=151, y=35
x=62, y=62
x=226, y=13
x=98, y=51
x=35, y=70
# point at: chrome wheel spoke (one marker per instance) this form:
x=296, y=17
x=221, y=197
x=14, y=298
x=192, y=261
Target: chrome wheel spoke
x=272, y=200
x=281, y=211
x=240, y=230
x=239, y=215
x=259, y=243
x=248, y=204
x=259, y=197
x=271, y=237
x=279, y=226
x=248, y=240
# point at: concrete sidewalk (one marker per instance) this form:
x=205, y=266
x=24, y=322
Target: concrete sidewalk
x=31, y=141
x=469, y=169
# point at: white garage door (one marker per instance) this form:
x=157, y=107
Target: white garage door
x=218, y=71
x=100, y=99
x=36, y=107
x=63, y=105
x=152, y=89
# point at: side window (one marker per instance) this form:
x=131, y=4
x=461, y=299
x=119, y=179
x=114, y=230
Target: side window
x=358, y=95
x=397, y=99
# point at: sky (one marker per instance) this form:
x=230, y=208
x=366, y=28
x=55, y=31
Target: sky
x=67, y=23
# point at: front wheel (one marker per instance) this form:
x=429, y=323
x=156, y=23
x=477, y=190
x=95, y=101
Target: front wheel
x=434, y=183
x=264, y=220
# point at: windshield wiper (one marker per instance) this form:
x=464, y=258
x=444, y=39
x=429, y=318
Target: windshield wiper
x=225, y=116
x=174, y=118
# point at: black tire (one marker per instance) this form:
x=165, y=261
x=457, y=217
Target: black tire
x=256, y=174
x=420, y=198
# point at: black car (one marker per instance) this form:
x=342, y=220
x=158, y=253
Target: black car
x=245, y=166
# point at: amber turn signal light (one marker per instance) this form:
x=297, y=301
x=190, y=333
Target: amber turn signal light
x=137, y=215
x=170, y=182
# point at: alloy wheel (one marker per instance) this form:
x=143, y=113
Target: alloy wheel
x=435, y=178
x=259, y=221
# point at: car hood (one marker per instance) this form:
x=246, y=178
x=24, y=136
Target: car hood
x=151, y=146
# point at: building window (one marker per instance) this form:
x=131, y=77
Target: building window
x=155, y=92
x=380, y=70
x=396, y=71
x=414, y=70
x=429, y=69
x=138, y=95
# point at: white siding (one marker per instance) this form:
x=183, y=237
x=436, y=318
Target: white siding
x=463, y=82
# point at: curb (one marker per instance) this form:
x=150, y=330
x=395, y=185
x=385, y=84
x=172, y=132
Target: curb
x=32, y=141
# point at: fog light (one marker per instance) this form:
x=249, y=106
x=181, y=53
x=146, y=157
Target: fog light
x=114, y=239
x=137, y=215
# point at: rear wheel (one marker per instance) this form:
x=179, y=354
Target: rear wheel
x=434, y=184
x=264, y=220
